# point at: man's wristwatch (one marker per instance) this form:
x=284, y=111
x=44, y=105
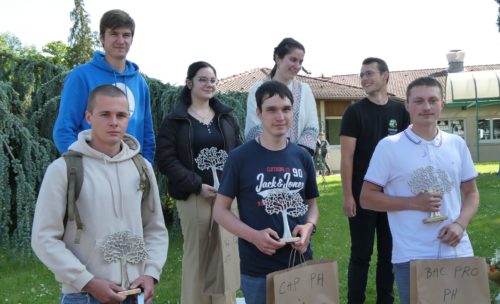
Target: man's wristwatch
x=314, y=228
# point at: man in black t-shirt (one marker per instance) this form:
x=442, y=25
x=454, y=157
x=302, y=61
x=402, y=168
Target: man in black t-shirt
x=274, y=182
x=363, y=125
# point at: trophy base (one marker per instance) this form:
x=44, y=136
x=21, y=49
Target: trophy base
x=130, y=292
x=289, y=240
x=435, y=219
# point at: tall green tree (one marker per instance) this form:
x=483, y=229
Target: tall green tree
x=10, y=43
x=56, y=52
x=29, y=93
x=82, y=40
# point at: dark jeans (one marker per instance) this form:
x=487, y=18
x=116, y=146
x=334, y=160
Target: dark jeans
x=85, y=298
x=363, y=227
x=254, y=289
x=402, y=275
x=325, y=164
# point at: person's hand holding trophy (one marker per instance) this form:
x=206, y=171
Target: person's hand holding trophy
x=431, y=183
x=287, y=202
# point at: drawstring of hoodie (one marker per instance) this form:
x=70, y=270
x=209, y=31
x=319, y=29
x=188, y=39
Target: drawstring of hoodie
x=113, y=179
x=116, y=201
x=115, y=76
x=120, y=193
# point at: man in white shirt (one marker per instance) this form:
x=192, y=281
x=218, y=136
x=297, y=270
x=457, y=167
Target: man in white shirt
x=423, y=170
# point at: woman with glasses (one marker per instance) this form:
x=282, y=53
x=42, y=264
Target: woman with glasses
x=288, y=57
x=193, y=143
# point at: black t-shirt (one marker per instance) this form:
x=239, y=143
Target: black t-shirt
x=369, y=123
x=269, y=185
x=208, y=150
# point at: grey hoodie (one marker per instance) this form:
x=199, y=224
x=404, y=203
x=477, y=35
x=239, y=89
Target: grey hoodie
x=109, y=202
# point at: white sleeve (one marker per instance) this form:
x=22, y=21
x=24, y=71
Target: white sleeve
x=310, y=130
x=155, y=232
x=253, y=126
x=468, y=170
x=378, y=170
x=48, y=229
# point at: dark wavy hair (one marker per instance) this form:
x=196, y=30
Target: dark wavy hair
x=285, y=47
x=185, y=95
x=114, y=19
x=381, y=64
x=270, y=88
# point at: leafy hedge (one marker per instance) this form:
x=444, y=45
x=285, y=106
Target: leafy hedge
x=29, y=98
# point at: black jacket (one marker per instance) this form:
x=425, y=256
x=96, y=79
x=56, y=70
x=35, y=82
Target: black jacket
x=174, y=152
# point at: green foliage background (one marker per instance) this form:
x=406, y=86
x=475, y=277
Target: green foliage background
x=29, y=98
x=82, y=41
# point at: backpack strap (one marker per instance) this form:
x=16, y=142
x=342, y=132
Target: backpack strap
x=145, y=183
x=74, y=167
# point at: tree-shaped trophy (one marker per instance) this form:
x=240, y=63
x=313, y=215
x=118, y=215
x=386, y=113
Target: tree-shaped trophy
x=288, y=203
x=212, y=159
x=430, y=179
x=124, y=247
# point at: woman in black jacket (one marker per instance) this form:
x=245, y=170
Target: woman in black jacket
x=193, y=143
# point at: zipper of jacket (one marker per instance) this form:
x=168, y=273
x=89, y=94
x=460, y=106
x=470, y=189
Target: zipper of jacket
x=191, y=142
x=221, y=131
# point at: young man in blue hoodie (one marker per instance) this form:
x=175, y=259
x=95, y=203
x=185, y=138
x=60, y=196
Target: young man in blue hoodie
x=116, y=35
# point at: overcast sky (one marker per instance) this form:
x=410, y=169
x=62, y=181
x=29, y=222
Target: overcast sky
x=236, y=36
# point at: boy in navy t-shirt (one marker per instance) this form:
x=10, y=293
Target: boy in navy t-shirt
x=274, y=182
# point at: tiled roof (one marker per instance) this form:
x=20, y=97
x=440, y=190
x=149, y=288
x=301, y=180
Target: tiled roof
x=242, y=82
x=322, y=88
x=399, y=80
x=344, y=86
x=327, y=89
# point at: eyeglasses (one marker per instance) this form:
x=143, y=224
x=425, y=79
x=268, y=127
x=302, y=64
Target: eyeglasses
x=205, y=80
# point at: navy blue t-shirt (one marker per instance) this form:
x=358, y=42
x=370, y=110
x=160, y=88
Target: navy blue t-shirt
x=208, y=150
x=266, y=183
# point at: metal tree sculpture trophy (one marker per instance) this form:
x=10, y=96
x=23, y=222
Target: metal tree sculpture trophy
x=212, y=159
x=430, y=179
x=125, y=247
x=288, y=203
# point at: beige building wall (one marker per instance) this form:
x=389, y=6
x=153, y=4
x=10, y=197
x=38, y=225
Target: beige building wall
x=334, y=161
x=489, y=150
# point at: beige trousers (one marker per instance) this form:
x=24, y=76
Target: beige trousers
x=195, y=216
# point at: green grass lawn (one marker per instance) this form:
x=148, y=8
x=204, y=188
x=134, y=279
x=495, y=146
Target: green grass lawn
x=28, y=281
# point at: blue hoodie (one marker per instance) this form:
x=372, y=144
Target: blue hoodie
x=77, y=87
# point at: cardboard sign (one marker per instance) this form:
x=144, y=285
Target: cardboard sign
x=314, y=282
x=450, y=281
x=221, y=264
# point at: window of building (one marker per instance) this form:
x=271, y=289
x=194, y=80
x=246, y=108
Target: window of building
x=332, y=129
x=453, y=126
x=488, y=129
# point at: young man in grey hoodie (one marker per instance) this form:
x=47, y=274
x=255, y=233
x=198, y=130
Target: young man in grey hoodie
x=114, y=215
